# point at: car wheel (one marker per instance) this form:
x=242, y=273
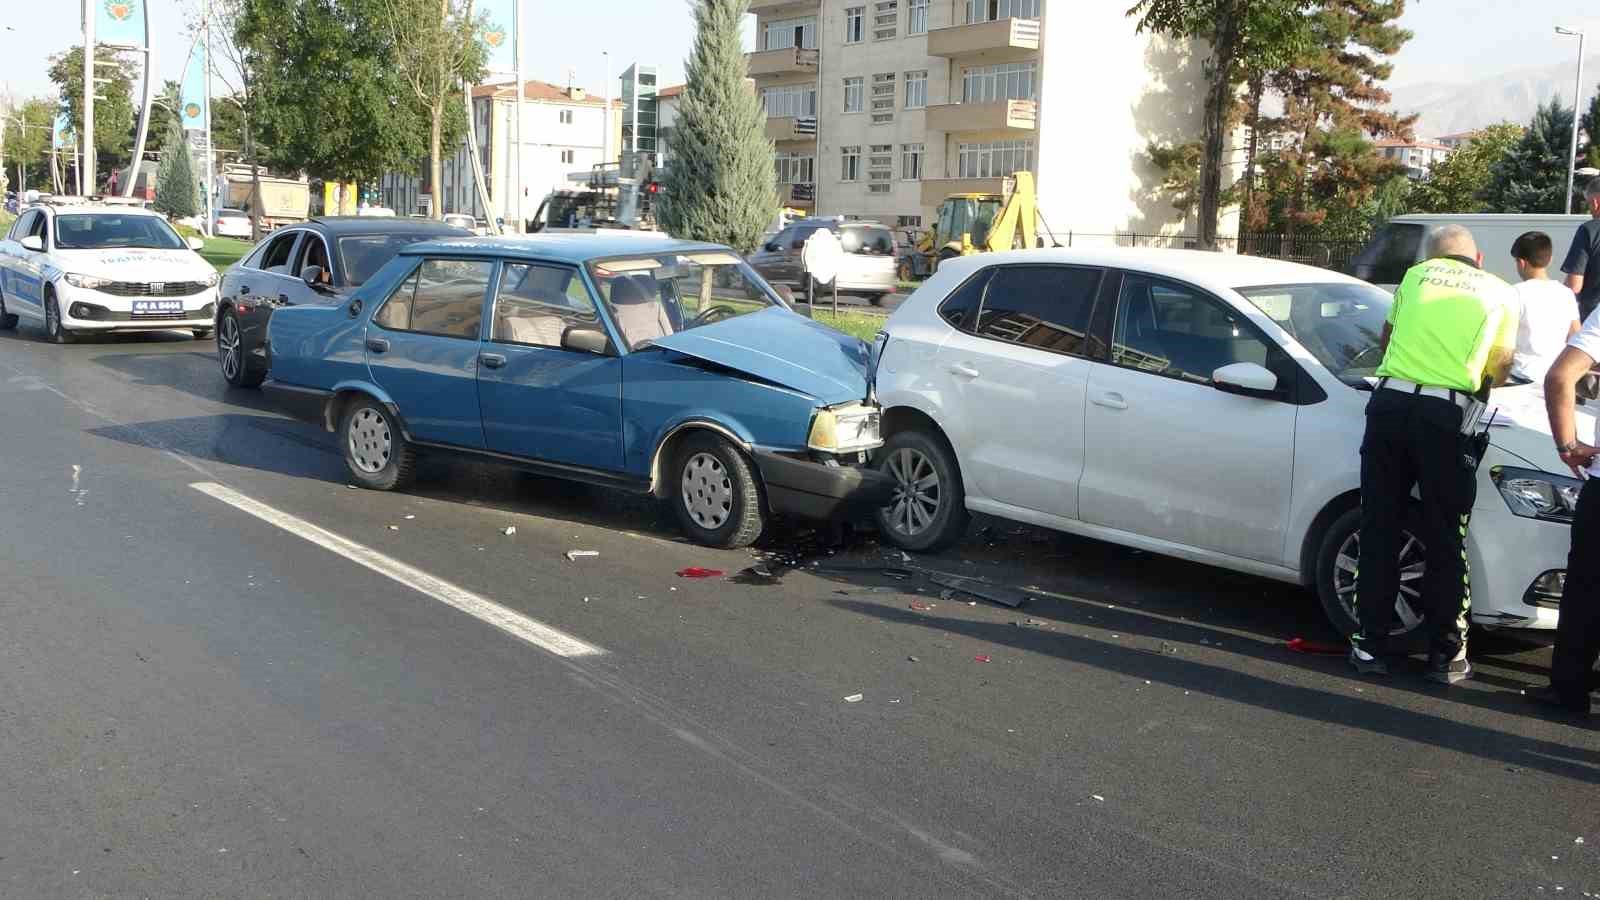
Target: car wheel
x=877, y=299
x=378, y=455
x=203, y=334
x=904, y=272
x=1336, y=575
x=929, y=509
x=53, y=329
x=8, y=321
x=718, y=500
x=237, y=368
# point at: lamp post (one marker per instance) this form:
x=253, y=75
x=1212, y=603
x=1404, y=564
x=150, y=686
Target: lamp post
x=1577, y=105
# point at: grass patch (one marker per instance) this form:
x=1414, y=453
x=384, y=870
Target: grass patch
x=224, y=252
x=858, y=325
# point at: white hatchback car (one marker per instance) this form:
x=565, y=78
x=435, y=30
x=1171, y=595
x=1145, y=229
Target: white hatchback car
x=103, y=268
x=1199, y=405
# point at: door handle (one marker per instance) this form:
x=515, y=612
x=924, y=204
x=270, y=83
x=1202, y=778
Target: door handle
x=1110, y=400
x=377, y=345
x=492, y=360
x=244, y=289
x=962, y=370
x=284, y=299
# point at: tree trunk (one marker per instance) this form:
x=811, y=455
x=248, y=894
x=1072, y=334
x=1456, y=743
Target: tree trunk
x=1258, y=87
x=1219, y=97
x=436, y=160
x=255, y=181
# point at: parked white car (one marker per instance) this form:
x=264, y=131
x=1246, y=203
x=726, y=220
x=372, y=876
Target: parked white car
x=867, y=268
x=232, y=223
x=1200, y=405
x=82, y=269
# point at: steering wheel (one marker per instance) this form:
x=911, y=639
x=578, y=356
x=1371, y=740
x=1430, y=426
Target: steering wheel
x=712, y=314
x=1355, y=361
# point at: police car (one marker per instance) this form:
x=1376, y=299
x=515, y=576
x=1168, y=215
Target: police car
x=87, y=268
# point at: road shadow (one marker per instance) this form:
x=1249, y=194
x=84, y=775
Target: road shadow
x=31, y=333
x=200, y=376
x=1577, y=763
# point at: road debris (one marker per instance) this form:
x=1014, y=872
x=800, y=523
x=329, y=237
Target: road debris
x=1314, y=648
x=410, y=516
x=975, y=587
x=392, y=527
x=853, y=698
x=920, y=606
x=914, y=659
x=1097, y=798
x=757, y=575
x=575, y=554
x=509, y=530
x=699, y=572
x=982, y=657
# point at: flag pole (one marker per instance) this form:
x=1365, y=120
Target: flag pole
x=144, y=115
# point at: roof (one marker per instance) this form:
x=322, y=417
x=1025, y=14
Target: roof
x=542, y=91
x=1210, y=270
x=668, y=93
x=1421, y=145
x=339, y=225
x=570, y=248
x=81, y=207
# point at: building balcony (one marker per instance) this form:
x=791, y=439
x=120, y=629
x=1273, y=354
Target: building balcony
x=1002, y=40
x=768, y=7
x=1002, y=115
x=799, y=196
x=934, y=190
x=792, y=128
x=788, y=61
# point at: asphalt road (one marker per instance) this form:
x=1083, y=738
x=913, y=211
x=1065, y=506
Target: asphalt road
x=197, y=701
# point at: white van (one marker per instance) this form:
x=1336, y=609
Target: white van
x=1401, y=243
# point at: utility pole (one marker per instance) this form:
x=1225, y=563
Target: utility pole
x=1577, y=106
x=522, y=186
x=605, y=132
x=86, y=180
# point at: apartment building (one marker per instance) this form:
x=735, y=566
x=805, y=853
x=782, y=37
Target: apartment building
x=1418, y=157
x=879, y=109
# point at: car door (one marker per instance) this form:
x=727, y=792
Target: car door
x=1017, y=374
x=312, y=251
x=1168, y=455
x=422, y=349
x=538, y=399
x=769, y=261
x=20, y=277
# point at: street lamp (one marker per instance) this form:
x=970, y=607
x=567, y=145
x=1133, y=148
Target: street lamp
x=1577, y=104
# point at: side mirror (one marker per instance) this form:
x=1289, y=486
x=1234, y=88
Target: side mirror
x=770, y=246
x=196, y=244
x=312, y=276
x=1247, y=380
x=355, y=307
x=586, y=340
x=33, y=242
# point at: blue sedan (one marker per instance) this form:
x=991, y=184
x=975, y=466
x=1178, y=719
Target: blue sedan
x=641, y=363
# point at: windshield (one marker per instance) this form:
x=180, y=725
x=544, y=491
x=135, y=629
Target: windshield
x=1340, y=324
x=650, y=297
x=362, y=255
x=109, y=232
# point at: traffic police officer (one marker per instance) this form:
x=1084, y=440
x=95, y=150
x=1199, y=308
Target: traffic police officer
x=1452, y=329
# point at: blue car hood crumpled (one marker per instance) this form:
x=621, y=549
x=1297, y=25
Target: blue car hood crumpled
x=782, y=347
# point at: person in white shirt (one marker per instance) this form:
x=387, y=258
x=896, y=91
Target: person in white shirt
x=1549, y=309
x=1572, y=674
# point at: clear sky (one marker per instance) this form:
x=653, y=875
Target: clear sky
x=1456, y=40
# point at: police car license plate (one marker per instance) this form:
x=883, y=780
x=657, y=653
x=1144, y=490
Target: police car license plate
x=157, y=307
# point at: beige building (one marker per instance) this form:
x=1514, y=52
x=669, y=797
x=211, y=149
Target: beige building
x=881, y=108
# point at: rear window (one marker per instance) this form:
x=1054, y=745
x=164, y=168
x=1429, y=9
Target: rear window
x=867, y=239
x=1395, y=248
x=364, y=254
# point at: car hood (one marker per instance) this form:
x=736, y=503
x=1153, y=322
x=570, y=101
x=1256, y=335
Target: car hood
x=782, y=347
x=1522, y=426
x=135, y=265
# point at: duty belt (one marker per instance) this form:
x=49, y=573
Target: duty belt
x=1462, y=399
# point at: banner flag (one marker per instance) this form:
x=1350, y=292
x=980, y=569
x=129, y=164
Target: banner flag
x=192, y=93
x=120, y=23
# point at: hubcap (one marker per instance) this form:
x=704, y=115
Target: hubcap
x=228, y=344
x=707, y=491
x=52, y=318
x=370, y=443
x=916, y=492
x=1413, y=565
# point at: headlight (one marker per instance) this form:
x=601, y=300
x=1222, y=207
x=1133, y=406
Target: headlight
x=1532, y=494
x=87, y=281
x=845, y=429
x=212, y=279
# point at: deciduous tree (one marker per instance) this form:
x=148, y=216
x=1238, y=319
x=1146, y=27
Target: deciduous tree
x=437, y=52
x=1459, y=182
x=27, y=141
x=114, y=112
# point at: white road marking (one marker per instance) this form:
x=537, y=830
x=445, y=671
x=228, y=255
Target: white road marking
x=485, y=610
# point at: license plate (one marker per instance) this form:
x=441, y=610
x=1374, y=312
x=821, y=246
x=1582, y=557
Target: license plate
x=157, y=307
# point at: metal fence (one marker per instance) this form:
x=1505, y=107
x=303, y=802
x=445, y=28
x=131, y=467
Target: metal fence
x=1327, y=253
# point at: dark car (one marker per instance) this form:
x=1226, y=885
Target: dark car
x=318, y=262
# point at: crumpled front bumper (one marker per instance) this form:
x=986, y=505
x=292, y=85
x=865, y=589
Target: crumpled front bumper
x=813, y=490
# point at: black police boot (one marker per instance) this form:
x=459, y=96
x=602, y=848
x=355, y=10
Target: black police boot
x=1448, y=671
x=1550, y=699
x=1364, y=662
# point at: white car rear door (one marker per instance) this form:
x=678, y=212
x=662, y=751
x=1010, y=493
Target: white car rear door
x=1168, y=455
x=1017, y=373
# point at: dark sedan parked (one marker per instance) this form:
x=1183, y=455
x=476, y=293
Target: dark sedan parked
x=317, y=263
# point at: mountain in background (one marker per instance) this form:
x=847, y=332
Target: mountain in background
x=1507, y=97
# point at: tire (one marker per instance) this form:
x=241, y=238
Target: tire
x=934, y=516
x=54, y=331
x=8, y=321
x=904, y=271
x=715, y=492
x=236, y=365
x=877, y=299
x=203, y=334
x=378, y=456
x=1336, y=578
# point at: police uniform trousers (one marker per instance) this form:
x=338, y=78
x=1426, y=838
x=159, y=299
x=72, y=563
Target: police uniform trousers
x=1578, y=631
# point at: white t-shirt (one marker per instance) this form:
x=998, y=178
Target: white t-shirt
x=1588, y=341
x=1548, y=310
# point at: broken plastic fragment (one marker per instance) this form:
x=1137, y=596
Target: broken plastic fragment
x=574, y=554
x=919, y=606
x=1316, y=648
x=983, y=658
x=392, y=527
x=853, y=698
x=699, y=572
x=410, y=516
x=509, y=530
x=1097, y=797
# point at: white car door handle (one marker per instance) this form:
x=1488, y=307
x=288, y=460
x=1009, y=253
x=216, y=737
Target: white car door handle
x=1110, y=400
x=962, y=370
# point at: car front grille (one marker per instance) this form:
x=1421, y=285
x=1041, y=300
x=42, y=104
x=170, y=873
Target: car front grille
x=158, y=289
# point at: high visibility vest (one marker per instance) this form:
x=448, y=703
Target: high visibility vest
x=1447, y=317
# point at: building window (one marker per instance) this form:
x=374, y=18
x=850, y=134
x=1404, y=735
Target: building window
x=883, y=98
x=880, y=168
x=790, y=100
x=566, y=117
x=990, y=10
x=908, y=222
x=992, y=159
x=850, y=163
x=917, y=89
x=567, y=156
x=1007, y=81
x=911, y=161
x=854, y=94
x=917, y=17
x=885, y=20
x=781, y=34
x=855, y=24
x=795, y=168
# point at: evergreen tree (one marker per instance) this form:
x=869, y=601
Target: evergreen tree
x=720, y=182
x=1533, y=177
x=175, y=178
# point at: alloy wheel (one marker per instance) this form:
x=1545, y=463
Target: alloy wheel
x=1413, y=566
x=228, y=343
x=916, y=492
x=52, y=318
x=370, y=441
x=707, y=491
